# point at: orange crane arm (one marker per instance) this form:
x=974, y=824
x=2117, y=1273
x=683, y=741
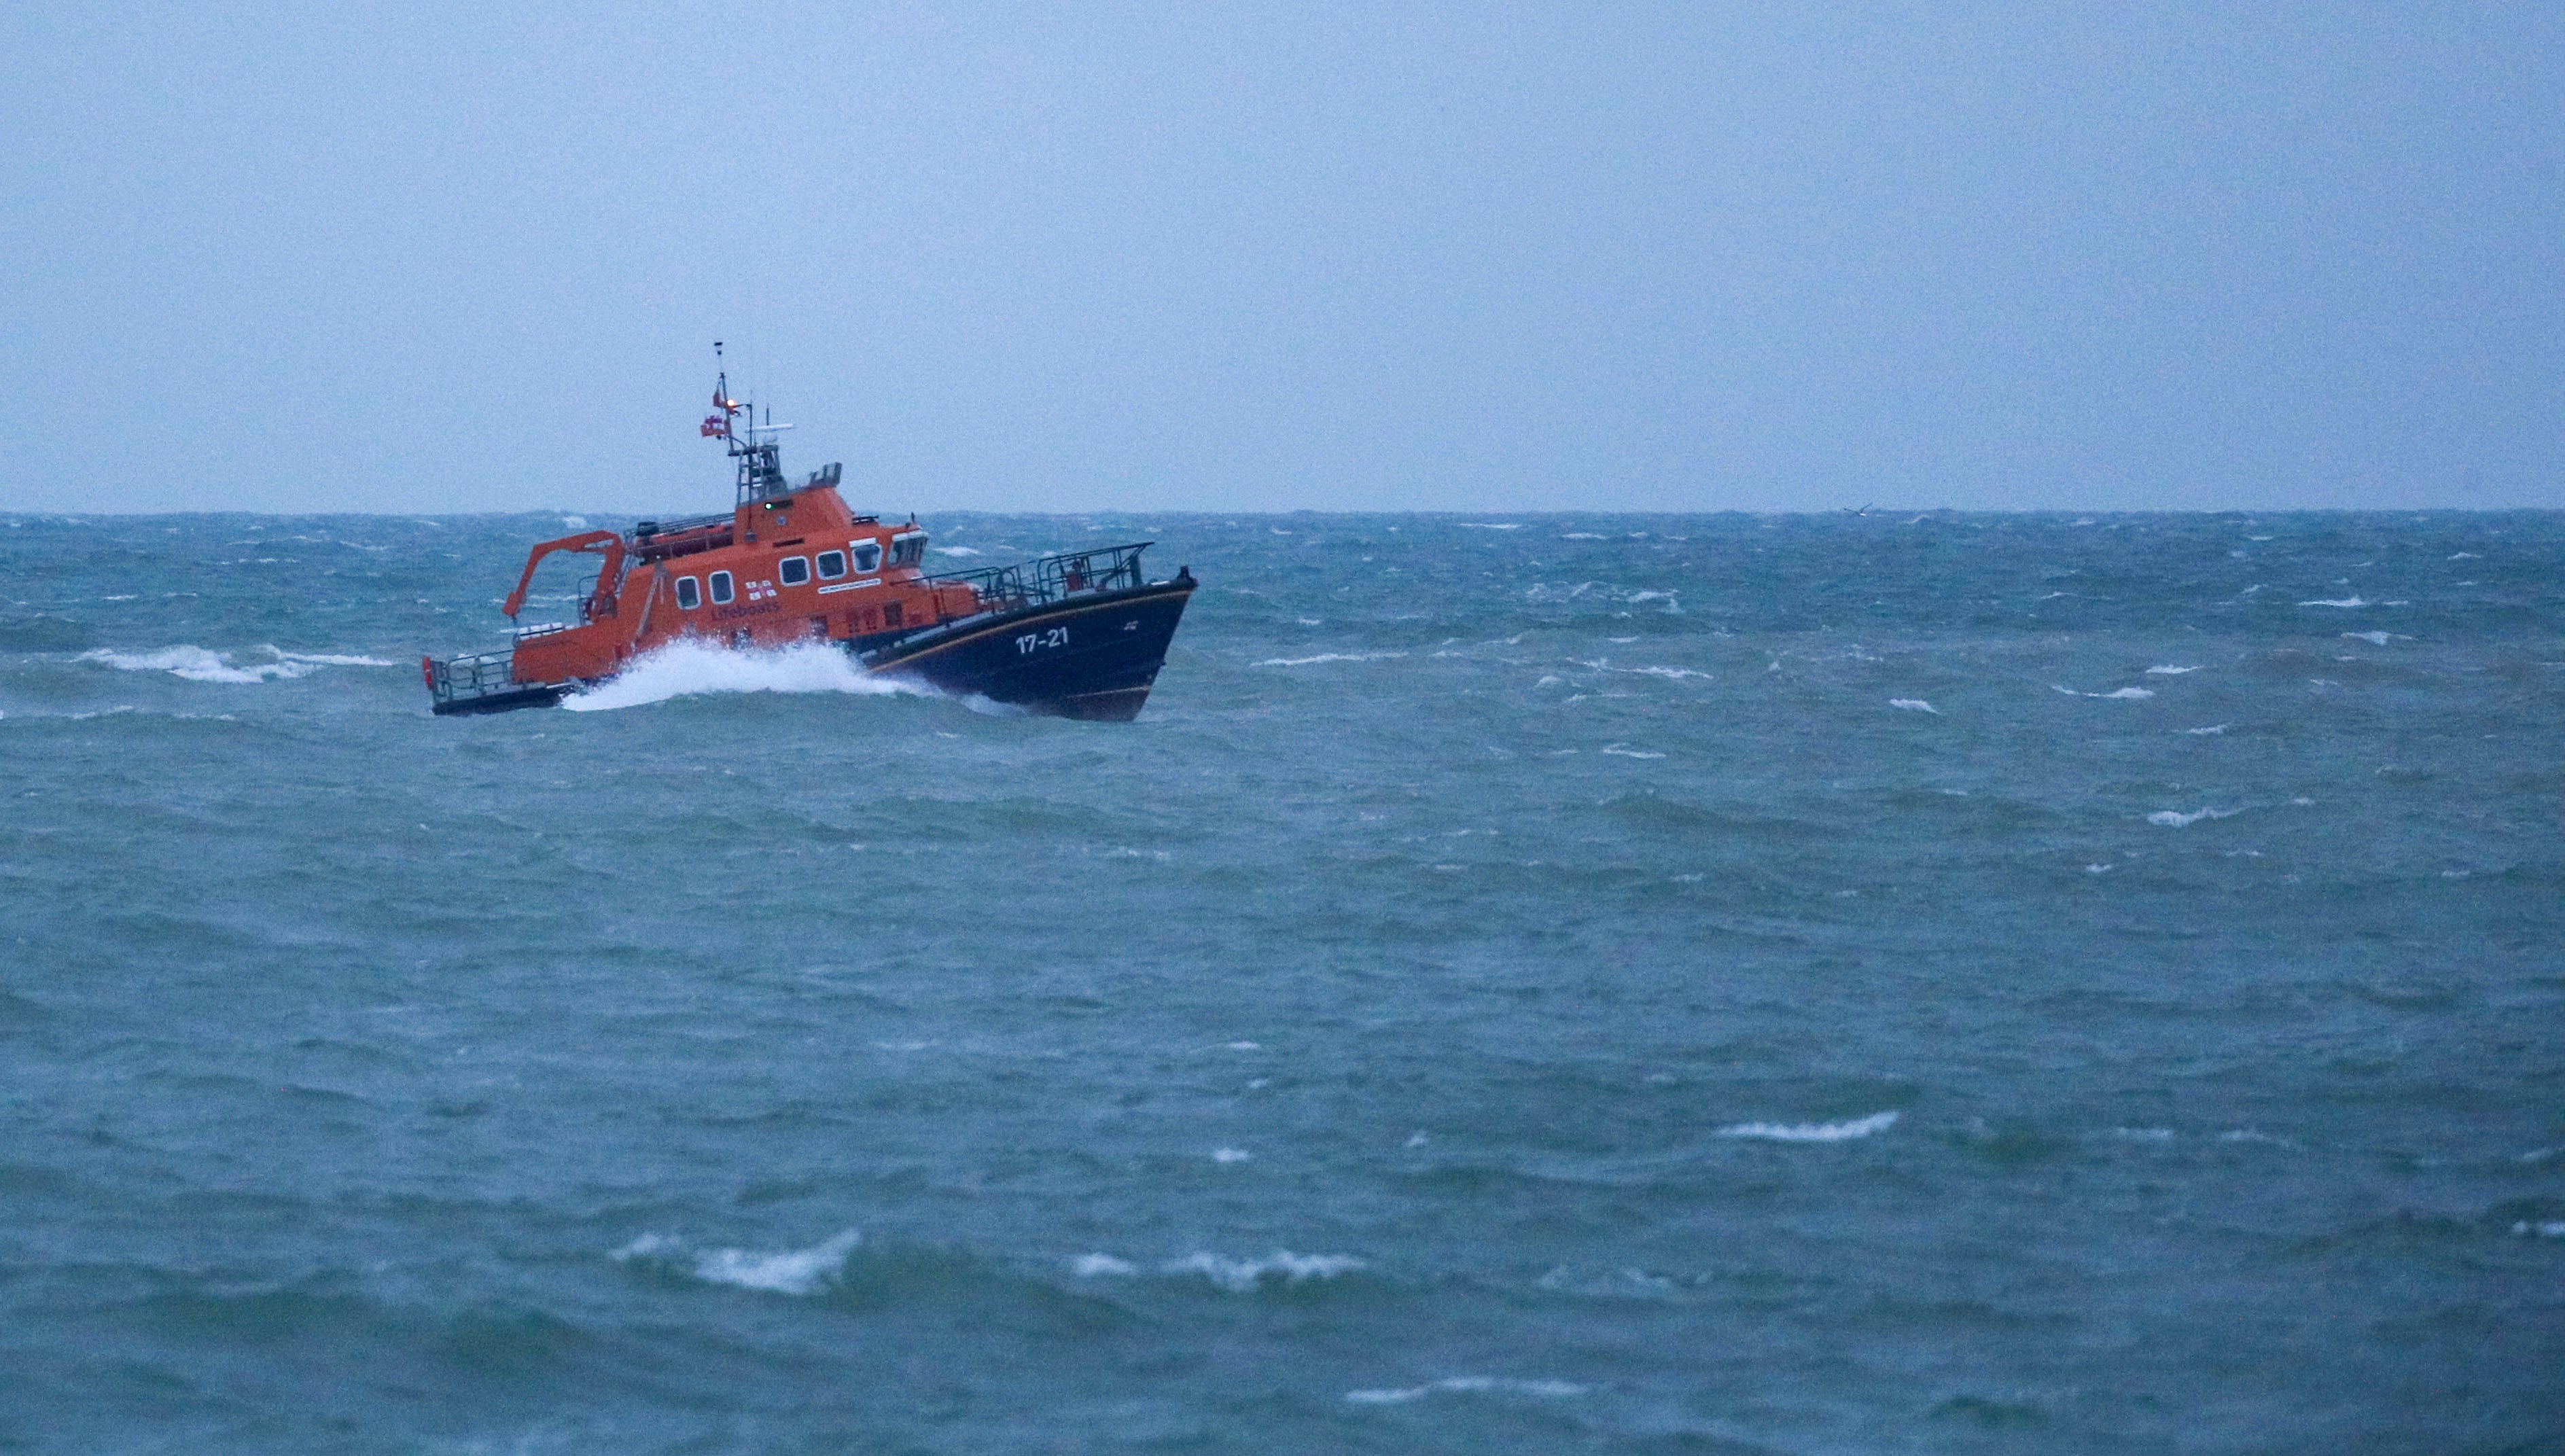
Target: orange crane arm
x=611, y=542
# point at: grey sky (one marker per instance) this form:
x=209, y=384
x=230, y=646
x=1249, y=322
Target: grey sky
x=1484, y=257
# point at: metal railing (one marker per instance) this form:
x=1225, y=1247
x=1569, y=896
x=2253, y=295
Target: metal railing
x=471, y=675
x=1049, y=578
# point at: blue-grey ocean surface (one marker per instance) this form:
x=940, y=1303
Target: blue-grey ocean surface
x=1540, y=984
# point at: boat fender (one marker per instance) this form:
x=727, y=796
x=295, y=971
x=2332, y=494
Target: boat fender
x=427, y=669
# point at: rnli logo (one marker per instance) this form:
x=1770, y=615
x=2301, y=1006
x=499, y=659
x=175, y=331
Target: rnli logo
x=761, y=591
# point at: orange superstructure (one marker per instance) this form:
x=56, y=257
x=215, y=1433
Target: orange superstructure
x=790, y=563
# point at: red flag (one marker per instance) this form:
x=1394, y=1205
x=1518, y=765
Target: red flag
x=714, y=424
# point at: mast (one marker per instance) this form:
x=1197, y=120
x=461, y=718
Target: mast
x=761, y=467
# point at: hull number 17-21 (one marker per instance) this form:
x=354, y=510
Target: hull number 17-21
x=1035, y=641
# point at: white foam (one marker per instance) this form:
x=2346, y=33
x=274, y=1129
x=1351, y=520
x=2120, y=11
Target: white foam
x=2345, y=602
x=197, y=665
x=2212, y=728
x=2375, y=639
x=1230, y=1154
x=792, y=1272
x=1915, y=705
x=1492, y=525
x=1676, y=673
x=1583, y=536
x=333, y=659
x=2544, y=1229
x=957, y=551
x=2173, y=818
x=1093, y=1266
x=687, y=668
x=1623, y=750
x=1329, y=658
x=2132, y=693
x=1245, y=1276
x=1469, y=1386
x=2464, y=556
x=1812, y=1131
x=2169, y=670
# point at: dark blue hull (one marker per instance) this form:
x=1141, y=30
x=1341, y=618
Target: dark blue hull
x=1092, y=655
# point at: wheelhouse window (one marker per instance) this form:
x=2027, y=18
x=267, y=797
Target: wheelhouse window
x=868, y=555
x=909, y=548
x=689, y=595
x=721, y=588
x=832, y=565
x=793, y=570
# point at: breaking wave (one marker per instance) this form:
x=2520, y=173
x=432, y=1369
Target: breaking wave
x=1468, y=1385
x=1812, y=1131
x=690, y=669
x=201, y=665
x=792, y=1272
x=2174, y=819
x=1238, y=1275
x=1329, y=658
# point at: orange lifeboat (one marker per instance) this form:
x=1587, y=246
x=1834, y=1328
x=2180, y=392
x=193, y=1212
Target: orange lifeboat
x=1082, y=635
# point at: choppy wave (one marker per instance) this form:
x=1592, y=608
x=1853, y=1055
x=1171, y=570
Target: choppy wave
x=1812, y=1131
x=1469, y=1386
x=791, y=1272
x=1238, y=1275
x=202, y=664
x=689, y=669
x=2175, y=819
x=1329, y=658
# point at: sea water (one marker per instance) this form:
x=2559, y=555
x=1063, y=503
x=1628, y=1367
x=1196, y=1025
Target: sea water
x=1527, y=983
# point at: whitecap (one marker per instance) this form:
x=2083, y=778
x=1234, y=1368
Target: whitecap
x=1093, y=1266
x=957, y=551
x=1623, y=750
x=1677, y=674
x=2212, y=728
x=2131, y=693
x=1492, y=525
x=2175, y=819
x=1915, y=705
x=197, y=665
x=2345, y=602
x=1230, y=1155
x=689, y=667
x=1468, y=1384
x=792, y=1272
x=334, y=659
x=2544, y=1228
x=1245, y=1276
x=1329, y=658
x=2375, y=639
x=2169, y=670
x=1812, y=1131
x=2464, y=556
x=1583, y=536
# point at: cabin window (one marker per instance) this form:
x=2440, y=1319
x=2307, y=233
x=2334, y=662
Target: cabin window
x=890, y=614
x=721, y=588
x=909, y=548
x=793, y=570
x=689, y=595
x=867, y=554
x=832, y=565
